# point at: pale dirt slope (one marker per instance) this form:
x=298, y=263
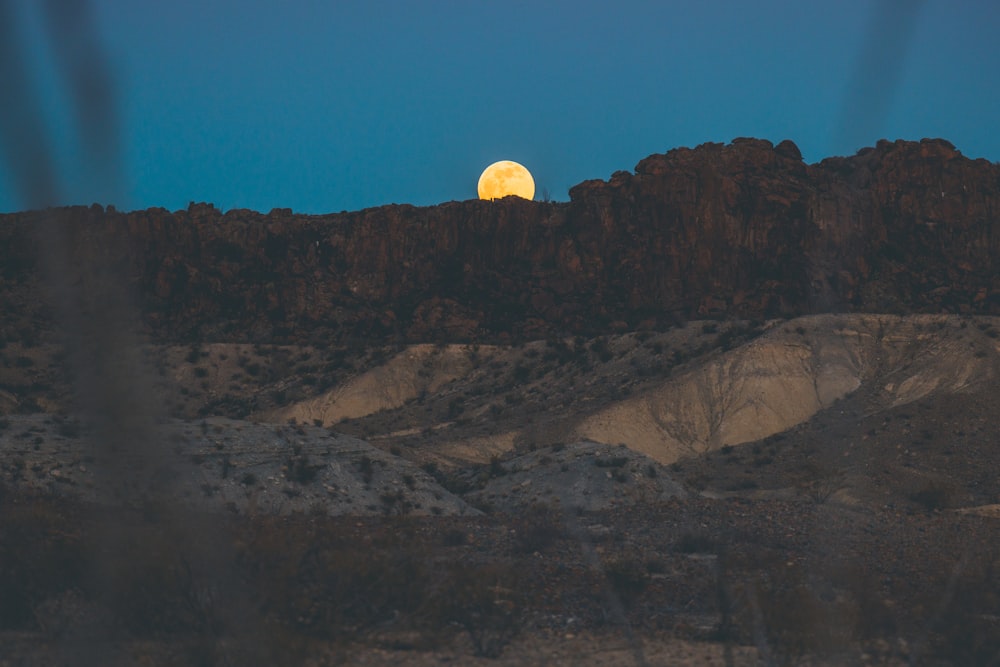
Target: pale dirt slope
x=789, y=374
x=416, y=370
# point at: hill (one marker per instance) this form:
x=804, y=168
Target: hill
x=745, y=230
x=729, y=408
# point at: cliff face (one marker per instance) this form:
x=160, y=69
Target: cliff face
x=746, y=229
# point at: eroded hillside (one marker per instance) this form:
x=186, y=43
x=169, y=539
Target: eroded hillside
x=668, y=395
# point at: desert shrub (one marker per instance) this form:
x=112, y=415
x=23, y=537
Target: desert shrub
x=599, y=347
x=697, y=481
x=68, y=428
x=933, y=495
x=454, y=537
x=300, y=470
x=367, y=468
x=969, y=639
x=695, y=542
x=324, y=587
x=741, y=484
x=456, y=406
x=655, y=565
x=796, y=621
x=610, y=462
x=157, y=592
x=53, y=562
x=628, y=578
x=513, y=399
x=484, y=601
x=536, y=529
x=395, y=503
x=496, y=467
x=41, y=555
x=521, y=374
x=968, y=633
x=823, y=485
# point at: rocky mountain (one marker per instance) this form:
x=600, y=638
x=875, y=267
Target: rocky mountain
x=729, y=408
x=744, y=230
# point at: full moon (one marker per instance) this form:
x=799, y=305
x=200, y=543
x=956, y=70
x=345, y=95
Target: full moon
x=506, y=178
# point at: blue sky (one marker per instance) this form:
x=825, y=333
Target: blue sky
x=342, y=105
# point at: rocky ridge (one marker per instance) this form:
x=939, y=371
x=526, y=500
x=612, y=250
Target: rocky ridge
x=746, y=230
x=819, y=490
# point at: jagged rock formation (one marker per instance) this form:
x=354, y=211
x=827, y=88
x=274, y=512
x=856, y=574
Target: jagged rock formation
x=746, y=229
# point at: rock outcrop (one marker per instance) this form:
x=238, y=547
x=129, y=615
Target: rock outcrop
x=745, y=229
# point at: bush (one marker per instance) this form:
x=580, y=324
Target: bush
x=299, y=469
x=696, y=543
x=933, y=495
x=484, y=601
x=535, y=530
x=331, y=589
x=41, y=555
x=628, y=578
x=367, y=468
x=612, y=462
x=798, y=622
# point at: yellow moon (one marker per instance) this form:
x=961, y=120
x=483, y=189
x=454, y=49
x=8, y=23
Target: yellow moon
x=506, y=178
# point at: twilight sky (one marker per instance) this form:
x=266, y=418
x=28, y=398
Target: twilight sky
x=323, y=106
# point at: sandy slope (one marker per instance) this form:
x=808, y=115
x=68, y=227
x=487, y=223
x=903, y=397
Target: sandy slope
x=414, y=371
x=786, y=376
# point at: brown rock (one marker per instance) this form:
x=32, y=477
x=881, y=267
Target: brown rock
x=743, y=230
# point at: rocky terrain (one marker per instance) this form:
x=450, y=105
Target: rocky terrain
x=745, y=230
x=729, y=409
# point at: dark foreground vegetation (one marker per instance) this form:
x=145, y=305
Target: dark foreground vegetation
x=796, y=580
